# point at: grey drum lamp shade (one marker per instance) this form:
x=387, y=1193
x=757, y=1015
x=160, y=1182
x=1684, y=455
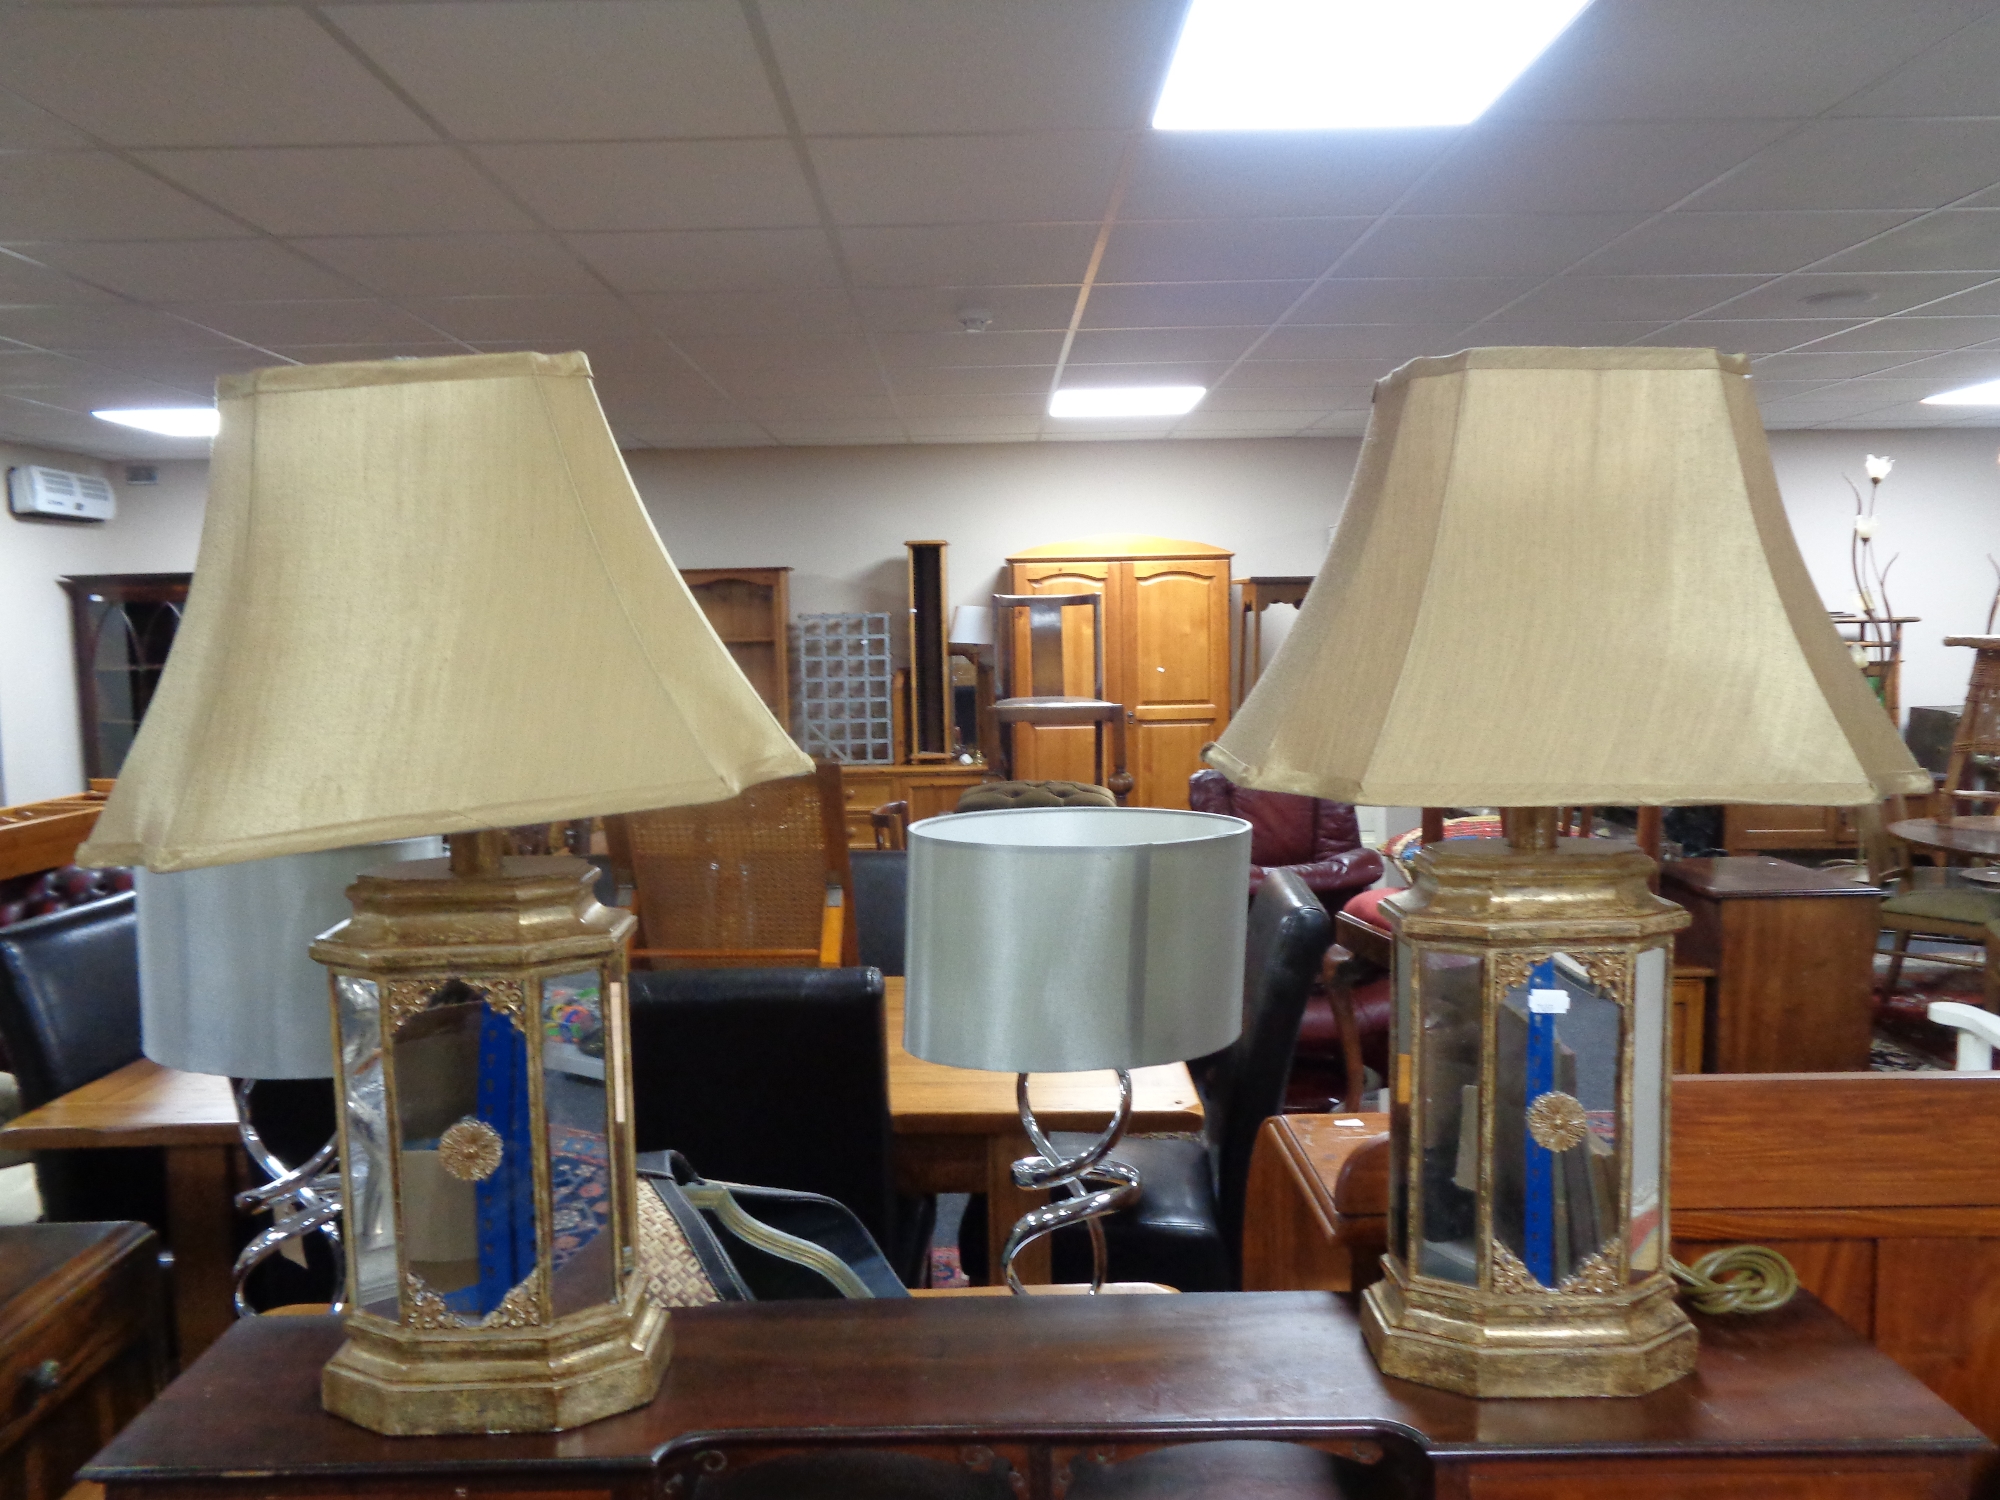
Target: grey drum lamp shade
x=1062, y=939
x=1565, y=576
x=427, y=600
x=225, y=982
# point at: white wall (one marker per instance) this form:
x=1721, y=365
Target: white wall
x=156, y=531
x=1939, y=509
x=839, y=516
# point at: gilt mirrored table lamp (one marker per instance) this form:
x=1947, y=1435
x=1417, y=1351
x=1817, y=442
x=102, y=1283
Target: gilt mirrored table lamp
x=226, y=986
x=1073, y=939
x=428, y=601
x=1562, y=577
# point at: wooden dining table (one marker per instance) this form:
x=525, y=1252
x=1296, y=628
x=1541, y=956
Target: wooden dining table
x=1966, y=837
x=956, y=1130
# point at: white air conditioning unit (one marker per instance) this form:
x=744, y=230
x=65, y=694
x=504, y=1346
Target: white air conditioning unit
x=60, y=495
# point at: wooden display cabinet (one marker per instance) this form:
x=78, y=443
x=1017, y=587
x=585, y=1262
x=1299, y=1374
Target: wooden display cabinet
x=1166, y=657
x=931, y=789
x=121, y=627
x=750, y=609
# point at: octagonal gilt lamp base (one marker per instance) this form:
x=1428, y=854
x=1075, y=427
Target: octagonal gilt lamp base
x=497, y=1241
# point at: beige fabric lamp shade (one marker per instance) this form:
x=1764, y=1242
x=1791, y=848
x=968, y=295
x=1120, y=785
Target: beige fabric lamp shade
x=427, y=600
x=1565, y=576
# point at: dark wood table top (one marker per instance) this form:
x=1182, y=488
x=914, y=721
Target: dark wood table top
x=1286, y=1365
x=1739, y=876
x=1967, y=835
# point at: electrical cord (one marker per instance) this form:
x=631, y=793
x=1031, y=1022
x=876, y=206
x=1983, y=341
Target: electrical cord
x=1737, y=1279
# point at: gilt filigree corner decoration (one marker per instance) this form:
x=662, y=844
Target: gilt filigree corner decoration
x=1596, y=1276
x=1510, y=1272
x=471, y=1150
x=520, y=1308
x=1557, y=1122
x=1511, y=970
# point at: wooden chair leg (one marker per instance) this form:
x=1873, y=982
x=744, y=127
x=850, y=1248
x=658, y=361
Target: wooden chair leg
x=1337, y=973
x=1897, y=951
x=1992, y=968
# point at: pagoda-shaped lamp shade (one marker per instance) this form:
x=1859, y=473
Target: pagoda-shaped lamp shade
x=429, y=601
x=1563, y=577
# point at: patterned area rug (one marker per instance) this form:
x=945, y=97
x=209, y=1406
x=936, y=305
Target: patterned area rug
x=1905, y=1038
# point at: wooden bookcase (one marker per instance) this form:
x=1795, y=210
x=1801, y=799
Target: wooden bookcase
x=750, y=609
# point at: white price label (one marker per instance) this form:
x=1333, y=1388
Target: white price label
x=1549, y=1002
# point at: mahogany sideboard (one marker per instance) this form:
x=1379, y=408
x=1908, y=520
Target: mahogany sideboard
x=1042, y=1398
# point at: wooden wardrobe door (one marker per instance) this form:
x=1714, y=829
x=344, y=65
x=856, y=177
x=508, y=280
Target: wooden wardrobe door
x=1062, y=754
x=1173, y=628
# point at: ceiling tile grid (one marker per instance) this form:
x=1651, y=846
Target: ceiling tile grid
x=787, y=221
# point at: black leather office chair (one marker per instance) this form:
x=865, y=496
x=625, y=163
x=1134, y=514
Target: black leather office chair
x=881, y=906
x=778, y=1077
x=69, y=1013
x=1187, y=1229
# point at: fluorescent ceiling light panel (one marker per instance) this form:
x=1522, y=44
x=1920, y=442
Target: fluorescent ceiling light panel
x=1085, y=401
x=1986, y=393
x=1351, y=64
x=168, y=421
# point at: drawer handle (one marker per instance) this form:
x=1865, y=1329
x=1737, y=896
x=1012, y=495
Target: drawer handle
x=46, y=1376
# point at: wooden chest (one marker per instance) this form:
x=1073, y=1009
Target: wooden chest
x=83, y=1346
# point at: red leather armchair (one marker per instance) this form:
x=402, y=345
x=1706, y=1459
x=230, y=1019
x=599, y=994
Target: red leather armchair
x=1318, y=841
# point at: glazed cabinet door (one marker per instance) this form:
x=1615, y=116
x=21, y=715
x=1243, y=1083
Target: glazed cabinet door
x=1172, y=635
x=1062, y=754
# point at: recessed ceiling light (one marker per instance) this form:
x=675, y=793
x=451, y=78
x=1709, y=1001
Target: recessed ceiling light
x=1351, y=64
x=168, y=421
x=1126, y=400
x=1986, y=393
x=1838, y=296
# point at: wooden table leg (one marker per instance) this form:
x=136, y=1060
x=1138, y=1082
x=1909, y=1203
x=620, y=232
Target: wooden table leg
x=200, y=1231
x=1005, y=1203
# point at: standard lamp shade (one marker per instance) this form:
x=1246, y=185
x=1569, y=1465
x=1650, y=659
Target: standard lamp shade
x=427, y=600
x=1564, y=576
x=225, y=982
x=1061, y=939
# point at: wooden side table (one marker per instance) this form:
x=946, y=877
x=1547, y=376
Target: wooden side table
x=1020, y=1396
x=1793, y=954
x=83, y=1346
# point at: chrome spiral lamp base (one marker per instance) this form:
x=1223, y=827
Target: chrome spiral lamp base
x=302, y=1200
x=1094, y=1185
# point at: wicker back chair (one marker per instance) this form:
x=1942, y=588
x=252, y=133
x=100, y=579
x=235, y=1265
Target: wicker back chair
x=759, y=881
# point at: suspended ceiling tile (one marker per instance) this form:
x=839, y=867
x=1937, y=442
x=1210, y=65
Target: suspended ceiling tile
x=27, y=367
x=1573, y=332
x=1192, y=304
x=1146, y=346
x=711, y=259
x=974, y=381
x=1962, y=367
x=1750, y=335
x=108, y=325
x=1390, y=343
x=1628, y=298
x=995, y=347
x=1747, y=243
x=855, y=433
x=1721, y=59
x=969, y=254
x=1916, y=333
x=967, y=179
x=1870, y=296
x=777, y=316
x=1262, y=175
x=1012, y=309
x=196, y=270
x=1954, y=240
x=355, y=321
x=191, y=370
x=1978, y=300
x=922, y=403
x=494, y=265
x=551, y=322
x=1262, y=372
x=867, y=67
x=1473, y=245
x=1959, y=75
x=1542, y=166
x=497, y=70
x=1825, y=366
x=26, y=277
x=1206, y=422
x=1202, y=372
x=704, y=435
x=1874, y=163
x=24, y=126
x=1223, y=250
x=346, y=190
x=340, y=354
x=1432, y=300
x=54, y=195
x=972, y=430
x=657, y=184
x=165, y=75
